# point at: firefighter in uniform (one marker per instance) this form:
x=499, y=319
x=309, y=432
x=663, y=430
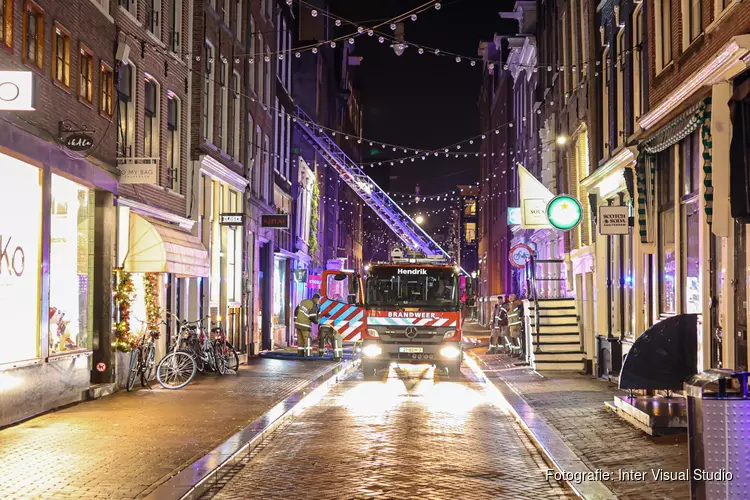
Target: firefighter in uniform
x=304, y=316
x=326, y=333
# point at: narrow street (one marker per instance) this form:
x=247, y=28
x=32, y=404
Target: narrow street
x=409, y=435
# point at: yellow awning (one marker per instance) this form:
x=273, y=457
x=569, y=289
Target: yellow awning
x=158, y=247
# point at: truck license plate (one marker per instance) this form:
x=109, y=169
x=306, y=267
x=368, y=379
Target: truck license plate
x=410, y=349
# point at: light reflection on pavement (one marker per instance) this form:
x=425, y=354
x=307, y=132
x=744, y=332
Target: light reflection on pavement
x=409, y=435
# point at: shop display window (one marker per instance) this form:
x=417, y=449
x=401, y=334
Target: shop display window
x=20, y=260
x=279, y=292
x=71, y=266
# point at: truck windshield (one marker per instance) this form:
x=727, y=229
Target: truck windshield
x=412, y=287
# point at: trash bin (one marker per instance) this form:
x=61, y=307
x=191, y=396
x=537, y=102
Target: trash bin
x=719, y=435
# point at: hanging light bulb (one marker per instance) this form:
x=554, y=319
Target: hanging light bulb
x=420, y=51
x=381, y=39
x=458, y=59
x=370, y=32
x=297, y=55
x=315, y=50
x=437, y=5
x=314, y=13
x=333, y=44
x=337, y=22
x=473, y=63
x=266, y=58
x=351, y=41
x=437, y=51
x=393, y=26
x=413, y=17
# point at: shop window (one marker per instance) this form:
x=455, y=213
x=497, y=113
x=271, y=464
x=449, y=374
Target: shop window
x=6, y=22
x=106, y=90
x=175, y=26
x=20, y=239
x=216, y=249
x=667, y=264
x=126, y=109
x=470, y=208
x=234, y=252
x=86, y=75
x=173, y=140
x=71, y=267
x=690, y=220
x=61, y=52
x=151, y=118
x=221, y=109
x=280, y=284
x=33, y=35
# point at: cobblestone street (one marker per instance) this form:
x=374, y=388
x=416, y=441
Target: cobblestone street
x=410, y=435
x=122, y=446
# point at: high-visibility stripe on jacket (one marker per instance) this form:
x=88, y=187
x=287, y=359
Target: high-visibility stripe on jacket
x=306, y=314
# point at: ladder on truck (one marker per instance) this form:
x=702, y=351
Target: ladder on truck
x=408, y=231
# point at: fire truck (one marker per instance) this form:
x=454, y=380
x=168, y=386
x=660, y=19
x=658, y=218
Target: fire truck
x=405, y=311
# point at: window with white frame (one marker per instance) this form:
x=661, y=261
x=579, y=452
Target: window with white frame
x=605, y=103
x=131, y=6
x=288, y=146
x=276, y=136
x=692, y=21
x=261, y=68
x=566, y=53
x=575, y=66
x=620, y=89
x=234, y=148
x=663, y=33
x=151, y=118
x=126, y=75
x=638, y=90
x=251, y=50
x=238, y=21
x=208, y=94
x=174, y=129
x=267, y=74
x=221, y=109
x=175, y=26
x=153, y=8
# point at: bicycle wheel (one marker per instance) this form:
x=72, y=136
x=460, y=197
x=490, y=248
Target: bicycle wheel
x=135, y=369
x=220, y=357
x=176, y=370
x=148, y=366
x=233, y=361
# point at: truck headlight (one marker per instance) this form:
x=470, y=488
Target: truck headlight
x=449, y=334
x=373, y=333
x=371, y=350
x=449, y=352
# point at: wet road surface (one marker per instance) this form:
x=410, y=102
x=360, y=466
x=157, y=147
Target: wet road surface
x=409, y=435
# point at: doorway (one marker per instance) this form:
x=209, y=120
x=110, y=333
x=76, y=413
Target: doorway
x=740, y=296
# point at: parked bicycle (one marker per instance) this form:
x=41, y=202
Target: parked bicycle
x=178, y=368
x=142, y=360
x=225, y=354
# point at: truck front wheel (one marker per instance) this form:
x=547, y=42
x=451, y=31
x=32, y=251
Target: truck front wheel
x=369, y=370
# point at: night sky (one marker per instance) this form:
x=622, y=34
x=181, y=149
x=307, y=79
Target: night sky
x=423, y=101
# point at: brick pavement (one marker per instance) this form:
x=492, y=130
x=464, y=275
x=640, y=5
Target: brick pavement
x=123, y=445
x=409, y=436
x=573, y=405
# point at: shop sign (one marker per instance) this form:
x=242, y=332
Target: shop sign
x=564, y=212
x=520, y=254
x=514, y=216
x=614, y=220
x=275, y=221
x=18, y=91
x=397, y=253
x=231, y=219
x=139, y=170
x=79, y=142
x=300, y=275
x=534, y=213
x=314, y=281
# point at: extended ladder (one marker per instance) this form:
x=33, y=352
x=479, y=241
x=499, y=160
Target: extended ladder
x=408, y=231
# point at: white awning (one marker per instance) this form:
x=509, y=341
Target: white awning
x=158, y=247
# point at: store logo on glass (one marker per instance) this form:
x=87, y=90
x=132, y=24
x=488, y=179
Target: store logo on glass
x=12, y=259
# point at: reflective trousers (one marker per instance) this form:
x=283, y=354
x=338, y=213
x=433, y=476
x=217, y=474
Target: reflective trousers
x=327, y=334
x=304, y=347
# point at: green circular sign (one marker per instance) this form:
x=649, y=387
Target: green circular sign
x=564, y=212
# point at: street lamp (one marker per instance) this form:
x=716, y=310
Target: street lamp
x=419, y=219
x=561, y=140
